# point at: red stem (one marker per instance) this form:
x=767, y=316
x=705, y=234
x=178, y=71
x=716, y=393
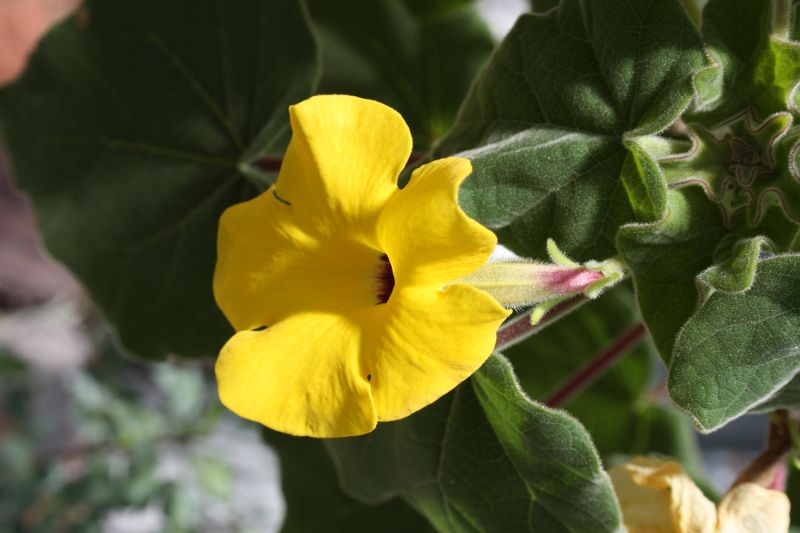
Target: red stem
x=520, y=328
x=596, y=366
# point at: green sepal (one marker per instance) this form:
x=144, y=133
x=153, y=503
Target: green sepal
x=558, y=257
x=539, y=311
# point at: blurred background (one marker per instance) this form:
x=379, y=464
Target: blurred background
x=92, y=441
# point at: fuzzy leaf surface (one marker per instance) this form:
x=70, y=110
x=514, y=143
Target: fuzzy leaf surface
x=549, y=122
x=607, y=408
x=666, y=256
x=739, y=349
x=484, y=458
x=759, y=67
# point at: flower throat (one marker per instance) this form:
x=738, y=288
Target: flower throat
x=385, y=280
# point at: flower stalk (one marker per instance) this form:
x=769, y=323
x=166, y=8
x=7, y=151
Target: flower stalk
x=597, y=366
x=520, y=327
x=766, y=466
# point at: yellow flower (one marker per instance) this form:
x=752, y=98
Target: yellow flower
x=341, y=286
x=656, y=496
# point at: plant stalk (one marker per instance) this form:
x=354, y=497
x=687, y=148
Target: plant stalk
x=520, y=328
x=766, y=467
x=597, y=366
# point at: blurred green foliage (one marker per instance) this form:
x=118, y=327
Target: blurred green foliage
x=121, y=437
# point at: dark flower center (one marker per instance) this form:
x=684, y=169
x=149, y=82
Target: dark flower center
x=385, y=280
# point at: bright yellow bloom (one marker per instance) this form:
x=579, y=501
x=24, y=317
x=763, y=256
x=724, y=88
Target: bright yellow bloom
x=341, y=286
x=656, y=496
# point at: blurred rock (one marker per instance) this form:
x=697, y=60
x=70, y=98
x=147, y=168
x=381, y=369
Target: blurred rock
x=27, y=274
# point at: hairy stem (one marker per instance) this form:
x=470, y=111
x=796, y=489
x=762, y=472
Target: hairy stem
x=597, y=366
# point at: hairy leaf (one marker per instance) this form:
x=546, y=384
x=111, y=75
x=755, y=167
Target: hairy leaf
x=484, y=458
x=607, y=408
x=739, y=348
x=553, y=123
x=758, y=62
x=127, y=130
x=666, y=256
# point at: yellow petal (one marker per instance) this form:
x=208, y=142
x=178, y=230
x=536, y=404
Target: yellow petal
x=750, y=508
x=657, y=496
x=428, y=238
x=268, y=267
x=342, y=164
x=301, y=376
x=424, y=342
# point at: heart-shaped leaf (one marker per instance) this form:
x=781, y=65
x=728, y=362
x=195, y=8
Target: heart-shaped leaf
x=552, y=124
x=128, y=129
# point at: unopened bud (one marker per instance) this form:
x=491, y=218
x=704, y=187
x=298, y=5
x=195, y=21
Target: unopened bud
x=519, y=283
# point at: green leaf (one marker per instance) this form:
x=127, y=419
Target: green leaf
x=554, y=122
x=316, y=503
x=739, y=348
x=787, y=397
x=417, y=57
x=777, y=75
x=484, y=458
x=127, y=130
x=760, y=65
x=665, y=258
x=616, y=409
x=607, y=408
x=794, y=33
